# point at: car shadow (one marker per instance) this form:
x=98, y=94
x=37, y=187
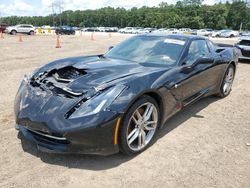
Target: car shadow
x=186, y=113
x=95, y=162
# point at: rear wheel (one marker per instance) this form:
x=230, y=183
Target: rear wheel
x=227, y=83
x=139, y=126
x=31, y=32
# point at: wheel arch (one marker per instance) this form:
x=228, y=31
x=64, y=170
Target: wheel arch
x=234, y=65
x=153, y=93
x=13, y=30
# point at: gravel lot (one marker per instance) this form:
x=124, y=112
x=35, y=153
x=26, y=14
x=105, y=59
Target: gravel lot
x=206, y=145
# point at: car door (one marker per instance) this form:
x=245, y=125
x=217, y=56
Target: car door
x=27, y=28
x=192, y=81
x=21, y=29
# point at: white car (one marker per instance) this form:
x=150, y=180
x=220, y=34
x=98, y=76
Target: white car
x=172, y=31
x=21, y=28
x=126, y=30
x=135, y=30
x=204, y=32
x=143, y=31
x=216, y=33
x=185, y=30
x=229, y=34
x=101, y=29
x=161, y=30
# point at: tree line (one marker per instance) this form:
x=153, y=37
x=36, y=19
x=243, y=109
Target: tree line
x=185, y=13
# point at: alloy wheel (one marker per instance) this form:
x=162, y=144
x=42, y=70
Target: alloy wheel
x=228, y=81
x=142, y=126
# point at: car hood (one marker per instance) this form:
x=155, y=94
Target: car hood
x=80, y=74
x=10, y=27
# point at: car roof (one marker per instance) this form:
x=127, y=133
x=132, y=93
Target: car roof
x=175, y=36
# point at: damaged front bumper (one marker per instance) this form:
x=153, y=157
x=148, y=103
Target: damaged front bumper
x=94, y=140
x=40, y=117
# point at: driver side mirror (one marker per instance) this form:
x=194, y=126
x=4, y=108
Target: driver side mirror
x=203, y=60
x=200, y=60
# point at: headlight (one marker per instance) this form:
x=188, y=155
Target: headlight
x=98, y=102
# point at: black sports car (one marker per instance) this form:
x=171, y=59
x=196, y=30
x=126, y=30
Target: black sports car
x=114, y=102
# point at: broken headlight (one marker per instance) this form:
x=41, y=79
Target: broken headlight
x=97, y=103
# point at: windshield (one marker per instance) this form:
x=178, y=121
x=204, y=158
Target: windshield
x=148, y=49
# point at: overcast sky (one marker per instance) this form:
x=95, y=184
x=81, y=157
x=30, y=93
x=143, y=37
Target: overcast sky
x=43, y=7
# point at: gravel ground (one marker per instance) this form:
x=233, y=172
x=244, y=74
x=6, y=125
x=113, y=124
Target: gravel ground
x=205, y=145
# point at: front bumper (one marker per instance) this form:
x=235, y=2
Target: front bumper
x=95, y=140
x=243, y=54
x=41, y=120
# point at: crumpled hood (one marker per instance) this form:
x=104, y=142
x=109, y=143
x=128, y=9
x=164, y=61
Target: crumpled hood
x=97, y=71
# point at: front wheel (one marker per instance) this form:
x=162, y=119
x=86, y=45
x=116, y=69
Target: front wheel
x=227, y=83
x=13, y=32
x=139, y=126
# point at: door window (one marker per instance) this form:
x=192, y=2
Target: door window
x=197, y=49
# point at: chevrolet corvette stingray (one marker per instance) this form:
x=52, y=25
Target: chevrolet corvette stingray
x=117, y=101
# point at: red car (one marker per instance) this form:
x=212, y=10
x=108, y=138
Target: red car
x=3, y=26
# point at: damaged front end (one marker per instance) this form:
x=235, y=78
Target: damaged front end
x=60, y=119
x=56, y=84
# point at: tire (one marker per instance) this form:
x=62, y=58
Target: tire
x=13, y=32
x=228, y=79
x=136, y=137
x=31, y=33
x=231, y=36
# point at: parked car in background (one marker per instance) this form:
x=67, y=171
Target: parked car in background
x=21, y=28
x=229, y=34
x=136, y=30
x=194, y=31
x=3, y=26
x=142, y=31
x=89, y=29
x=111, y=29
x=244, y=46
x=101, y=29
x=146, y=30
x=245, y=34
x=216, y=33
x=204, y=32
x=185, y=31
x=172, y=31
x=65, y=30
x=126, y=30
x=161, y=30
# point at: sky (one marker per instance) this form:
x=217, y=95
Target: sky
x=43, y=7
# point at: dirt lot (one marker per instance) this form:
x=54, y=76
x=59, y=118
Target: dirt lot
x=206, y=145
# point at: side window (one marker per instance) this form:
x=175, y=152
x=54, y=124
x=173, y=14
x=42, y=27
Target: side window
x=197, y=49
